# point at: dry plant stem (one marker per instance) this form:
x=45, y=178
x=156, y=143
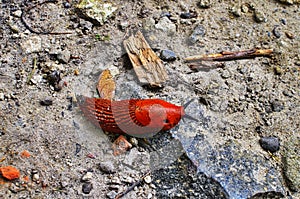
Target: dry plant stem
x=132, y=186
x=35, y=31
x=147, y=65
x=228, y=56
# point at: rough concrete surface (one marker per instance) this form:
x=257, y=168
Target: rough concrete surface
x=50, y=51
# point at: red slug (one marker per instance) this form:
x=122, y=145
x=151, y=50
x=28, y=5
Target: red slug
x=134, y=117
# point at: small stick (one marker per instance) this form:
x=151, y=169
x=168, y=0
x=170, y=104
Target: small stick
x=228, y=56
x=132, y=186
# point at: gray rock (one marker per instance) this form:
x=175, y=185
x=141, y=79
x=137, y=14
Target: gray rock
x=204, y=3
x=87, y=187
x=111, y=194
x=276, y=31
x=107, y=167
x=32, y=44
x=167, y=55
x=64, y=56
x=277, y=106
x=96, y=11
x=269, y=144
x=259, y=16
x=291, y=163
x=88, y=176
x=236, y=11
x=197, y=33
x=1, y=96
x=166, y=25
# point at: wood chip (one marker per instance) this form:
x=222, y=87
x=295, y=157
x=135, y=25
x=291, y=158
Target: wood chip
x=106, y=85
x=147, y=65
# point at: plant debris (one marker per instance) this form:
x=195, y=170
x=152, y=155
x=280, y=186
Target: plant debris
x=146, y=64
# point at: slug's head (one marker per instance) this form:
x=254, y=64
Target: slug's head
x=161, y=114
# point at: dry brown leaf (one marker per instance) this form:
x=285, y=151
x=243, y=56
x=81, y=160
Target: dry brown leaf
x=106, y=85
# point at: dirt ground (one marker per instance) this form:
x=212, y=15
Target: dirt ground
x=50, y=54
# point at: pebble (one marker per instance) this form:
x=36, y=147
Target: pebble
x=87, y=176
x=1, y=96
x=204, y=4
x=87, y=187
x=148, y=179
x=269, y=144
x=111, y=194
x=259, y=16
x=67, y=5
x=225, y=74
x=31, y=45
x=277, y=106
x=46, y=102
x=289, y=2
x=276, y=32
x=107, y=167
x=244, y=8
x=64, y=56
x=166, y=25
x=188, y=15
x=54, y=79
x=17, y=13
x=236, y=11
x=167, y=55
x=35, y=177
x=198, y=32
x=86, y=25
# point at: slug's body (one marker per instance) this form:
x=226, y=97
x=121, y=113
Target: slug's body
x=135, y=117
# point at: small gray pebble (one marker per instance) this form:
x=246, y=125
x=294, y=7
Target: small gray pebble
x=167, y=55
x=198, y=32
x=46, y=102
x=107, y=167
x=259, y=16
x=64, y=56
x=276, y=32
x=111, y=194
x=277, y=106
x=269, y=144
x=204, y=4
x=87, y=187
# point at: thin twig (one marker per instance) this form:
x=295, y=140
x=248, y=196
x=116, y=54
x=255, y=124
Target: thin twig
x=132, y=186
x=228, y=56
x=35, y=31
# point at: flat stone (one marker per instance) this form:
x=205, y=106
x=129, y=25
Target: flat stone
x=64, y=56
x=31, y=45
x=167, y=55
x=96, y=11
x=166, y=25
x=107, y=167
x=269, y=144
